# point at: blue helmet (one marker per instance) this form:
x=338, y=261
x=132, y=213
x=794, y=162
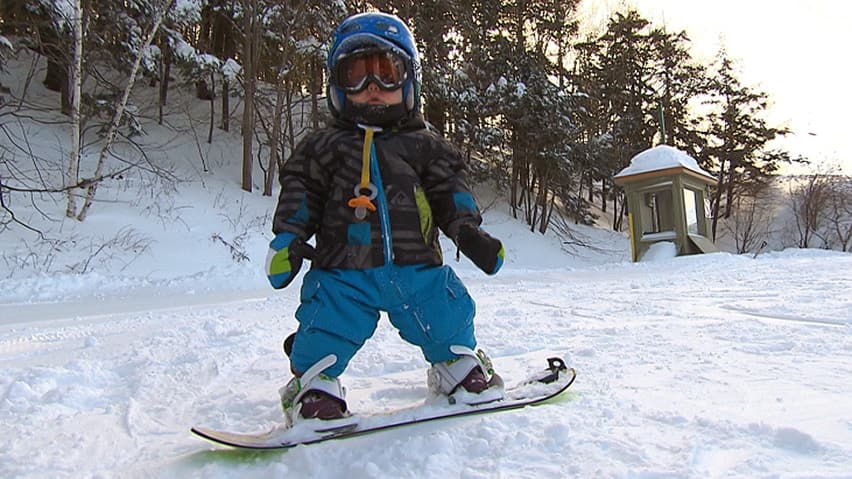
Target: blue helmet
x=379, y=30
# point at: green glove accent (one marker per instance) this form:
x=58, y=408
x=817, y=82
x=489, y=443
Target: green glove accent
x=282, y=262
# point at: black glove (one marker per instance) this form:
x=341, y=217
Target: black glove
x=484, y=250
x=286, y=252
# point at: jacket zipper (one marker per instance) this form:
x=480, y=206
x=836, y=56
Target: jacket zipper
x=384, y=217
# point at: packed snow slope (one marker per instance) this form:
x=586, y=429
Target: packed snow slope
x=691, y=367
x=120, y=333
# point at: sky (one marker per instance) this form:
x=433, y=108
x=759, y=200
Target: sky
x=786, y=48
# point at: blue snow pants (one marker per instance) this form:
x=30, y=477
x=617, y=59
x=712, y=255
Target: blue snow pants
x=340, y=310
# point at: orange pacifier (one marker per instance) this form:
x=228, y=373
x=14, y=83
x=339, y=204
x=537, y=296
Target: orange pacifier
x=362, y=202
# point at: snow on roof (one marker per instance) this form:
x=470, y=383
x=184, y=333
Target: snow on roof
x=661, y=157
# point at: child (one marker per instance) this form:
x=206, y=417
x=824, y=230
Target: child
x=374, y=188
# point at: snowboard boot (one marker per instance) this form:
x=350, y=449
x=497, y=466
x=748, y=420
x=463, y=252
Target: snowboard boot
x=314, y=395
x=468, y=379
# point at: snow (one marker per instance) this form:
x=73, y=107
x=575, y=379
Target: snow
x=186, y=11
x=702, y=366
x=712, y=365
x=661, y=157
x=660, y=250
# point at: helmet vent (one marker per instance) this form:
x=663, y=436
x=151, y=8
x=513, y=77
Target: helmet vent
x=387, y=27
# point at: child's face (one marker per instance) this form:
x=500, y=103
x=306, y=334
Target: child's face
x=373, y=95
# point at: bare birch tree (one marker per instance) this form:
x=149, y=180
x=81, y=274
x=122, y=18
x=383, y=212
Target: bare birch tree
x=112, y=132
x=750, y=221
x=839, y=212
x=808, y=203
x=76, y=81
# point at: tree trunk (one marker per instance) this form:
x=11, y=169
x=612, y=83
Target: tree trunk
x=76, y=91
x=534, y=205
x=56, y=79
x=729, y=191
x=717, y=199
x=249, y=54
x=54, y=76
x=275, y=138
x=590, y=183
x=226, y=105
x=212, y=107
x=165, y=72
x=514, y=200
x=620, y=206
x=291, y=127
x=316, y=91
x=545, y=219
x=202, y=90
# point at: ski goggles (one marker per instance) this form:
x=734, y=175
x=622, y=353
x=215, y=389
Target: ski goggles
x=354, y=71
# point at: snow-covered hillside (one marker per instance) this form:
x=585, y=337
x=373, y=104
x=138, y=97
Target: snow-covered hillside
x=694, y=367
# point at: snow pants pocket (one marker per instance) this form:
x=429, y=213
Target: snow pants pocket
x=437, y=314
x=334, y=318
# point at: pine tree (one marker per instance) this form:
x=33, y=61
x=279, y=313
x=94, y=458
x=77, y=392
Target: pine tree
x=678, y=82
x=619, y=69
x=738, y=137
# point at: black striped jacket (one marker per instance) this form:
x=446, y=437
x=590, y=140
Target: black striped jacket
x=424, y=184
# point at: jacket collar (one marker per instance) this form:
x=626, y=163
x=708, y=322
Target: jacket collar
x=409, y=123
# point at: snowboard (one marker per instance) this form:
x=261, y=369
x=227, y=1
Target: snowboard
x=538, y=388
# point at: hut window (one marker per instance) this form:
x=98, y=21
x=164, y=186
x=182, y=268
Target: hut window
x=690, y=205
x=657, y=211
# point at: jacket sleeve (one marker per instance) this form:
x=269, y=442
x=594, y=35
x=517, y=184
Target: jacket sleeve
x=445, y=184
x=300, y=202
